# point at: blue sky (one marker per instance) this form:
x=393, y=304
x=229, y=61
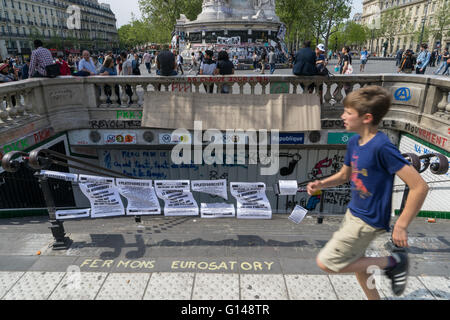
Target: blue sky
x=123, y=9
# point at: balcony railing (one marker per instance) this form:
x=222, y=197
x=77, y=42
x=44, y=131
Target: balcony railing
x=420, y=103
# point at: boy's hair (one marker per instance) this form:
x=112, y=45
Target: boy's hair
x=371, y=99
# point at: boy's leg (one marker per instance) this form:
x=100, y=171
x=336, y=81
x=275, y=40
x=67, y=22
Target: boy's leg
x=363, y=279
x=344, y=253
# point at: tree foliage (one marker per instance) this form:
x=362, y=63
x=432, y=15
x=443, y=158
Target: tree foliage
x=314, y=20
x=442, y=21
x=393, y=21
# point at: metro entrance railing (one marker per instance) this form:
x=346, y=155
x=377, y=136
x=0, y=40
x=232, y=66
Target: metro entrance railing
x=38, y=160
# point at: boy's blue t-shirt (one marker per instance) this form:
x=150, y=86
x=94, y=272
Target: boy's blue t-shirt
x=373, y=169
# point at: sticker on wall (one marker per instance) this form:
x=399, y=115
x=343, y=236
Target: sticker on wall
x=120, y=138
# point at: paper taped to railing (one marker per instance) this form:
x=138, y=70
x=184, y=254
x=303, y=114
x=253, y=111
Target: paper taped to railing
x=298, y=214
x=288, y=187
x=213, y=187
x=103, y=196
x=95, y=179
x=217, y=210
x=252, y=202
x=72, y=214
x=141, y=196
x=178, y=200
x=60, y=175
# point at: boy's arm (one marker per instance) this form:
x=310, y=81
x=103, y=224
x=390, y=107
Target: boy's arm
x=343, y=176
x=418, y=190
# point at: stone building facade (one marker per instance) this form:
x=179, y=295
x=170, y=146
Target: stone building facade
x=419, y=12
x=22, y=21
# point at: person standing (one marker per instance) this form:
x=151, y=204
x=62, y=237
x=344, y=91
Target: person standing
x=180, y=63
x=25, y=69
x=194, y=64
x=148, y=62
x=407, y=63
x=370, y=165
x=263, y=60
x=255, y=61
x=272, y=61
x=208, y=67
x=40, y=58
x=445, y=56
x=433, y=58
x=398, y=57
x=224, y=67
x=364, y=57
x=127, y=70
x=423, y=59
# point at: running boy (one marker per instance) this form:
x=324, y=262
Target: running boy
x=370, y=164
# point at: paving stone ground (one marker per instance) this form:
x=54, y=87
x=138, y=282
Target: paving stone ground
x=189, y=258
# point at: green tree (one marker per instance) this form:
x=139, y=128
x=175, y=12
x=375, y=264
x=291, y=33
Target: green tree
x=356, y=34
x=441, y=27
x=393, y=22
x=334, y=13
x=290, y=13
x=161, y=15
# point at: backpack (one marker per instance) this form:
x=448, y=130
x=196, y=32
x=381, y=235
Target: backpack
x=52, y=70
x=407, y=63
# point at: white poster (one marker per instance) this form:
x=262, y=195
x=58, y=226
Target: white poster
x=60, y=175
x=217, y=210
x=72, y=214
x=252, y=202
x=288, y=187
x=103, y=195
x=213, y=187
x=141, y=196
x=298, y=214
x=178, y=199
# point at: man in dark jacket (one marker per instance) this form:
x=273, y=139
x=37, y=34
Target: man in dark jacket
x=305, y=61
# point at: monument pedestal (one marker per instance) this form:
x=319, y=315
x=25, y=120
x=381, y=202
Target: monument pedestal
x=239, y=24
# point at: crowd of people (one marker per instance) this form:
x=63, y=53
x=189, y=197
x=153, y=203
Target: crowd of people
x=407, y=61
x=168, y=62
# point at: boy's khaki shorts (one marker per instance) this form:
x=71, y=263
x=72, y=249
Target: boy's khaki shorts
x=349, y=243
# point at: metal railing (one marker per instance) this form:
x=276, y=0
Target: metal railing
x=42, y=159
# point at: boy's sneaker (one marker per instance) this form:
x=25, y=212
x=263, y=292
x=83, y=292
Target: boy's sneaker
x=399, y=273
